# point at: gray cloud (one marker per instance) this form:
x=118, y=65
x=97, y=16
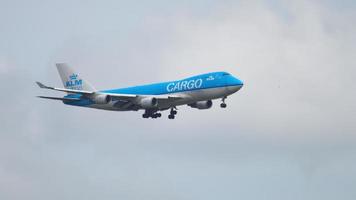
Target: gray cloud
x=289, y=133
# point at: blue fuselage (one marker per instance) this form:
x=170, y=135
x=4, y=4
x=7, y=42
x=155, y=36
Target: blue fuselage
x=205, y=81
x=217, y=82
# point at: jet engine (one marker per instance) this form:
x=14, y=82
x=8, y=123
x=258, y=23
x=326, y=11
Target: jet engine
x=102, y=99
x=148, y=102
x=201, y=105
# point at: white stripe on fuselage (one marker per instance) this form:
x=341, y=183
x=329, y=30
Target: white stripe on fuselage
x=188, y=97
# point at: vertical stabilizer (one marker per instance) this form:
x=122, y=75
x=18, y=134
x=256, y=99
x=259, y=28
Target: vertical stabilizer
x=71, y=79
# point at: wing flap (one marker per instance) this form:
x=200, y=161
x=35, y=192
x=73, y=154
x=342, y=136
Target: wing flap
x=131, y=97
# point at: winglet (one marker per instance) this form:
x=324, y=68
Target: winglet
x=42, y=85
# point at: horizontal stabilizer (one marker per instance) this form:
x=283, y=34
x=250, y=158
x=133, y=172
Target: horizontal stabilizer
x=59, y=98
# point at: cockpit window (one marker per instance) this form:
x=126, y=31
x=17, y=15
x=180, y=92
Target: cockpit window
x=225, y=74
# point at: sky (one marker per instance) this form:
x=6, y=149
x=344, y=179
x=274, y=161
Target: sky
x=289, y=133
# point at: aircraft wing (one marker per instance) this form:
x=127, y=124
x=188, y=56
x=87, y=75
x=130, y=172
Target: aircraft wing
x=131, y=102
x=59, y=98
x=64, y=90
x=114, y=96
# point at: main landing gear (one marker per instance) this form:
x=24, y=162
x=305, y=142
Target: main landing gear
x=153, y=115
x=172, y=113
x=223, y=104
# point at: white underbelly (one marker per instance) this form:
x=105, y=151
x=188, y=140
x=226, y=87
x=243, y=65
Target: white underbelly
x=188, y=97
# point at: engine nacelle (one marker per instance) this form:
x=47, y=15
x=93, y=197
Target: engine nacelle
x=201, y=105
x=102, y=99
x=148, y=102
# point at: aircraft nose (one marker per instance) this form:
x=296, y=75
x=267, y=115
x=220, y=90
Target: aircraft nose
x=236, y=81
x=235, y=85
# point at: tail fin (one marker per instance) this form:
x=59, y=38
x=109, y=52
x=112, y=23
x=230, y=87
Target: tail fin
x=72, y=80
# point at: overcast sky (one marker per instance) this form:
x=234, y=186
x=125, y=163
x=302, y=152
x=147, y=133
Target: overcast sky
x=290, y=133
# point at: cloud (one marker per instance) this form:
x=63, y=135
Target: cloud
x=5, y=66
x=293, y=68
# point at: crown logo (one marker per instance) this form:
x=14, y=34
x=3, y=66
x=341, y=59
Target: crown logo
x=73, y=76
x=210, y=78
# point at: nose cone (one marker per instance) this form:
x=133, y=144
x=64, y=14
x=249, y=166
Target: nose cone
x=234, y=84
x=232, y=81
x=238, y=82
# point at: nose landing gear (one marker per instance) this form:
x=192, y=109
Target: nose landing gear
x=223, y=104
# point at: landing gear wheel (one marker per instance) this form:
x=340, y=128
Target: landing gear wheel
x=156, y=115
x=145, y=115
x=172, y=113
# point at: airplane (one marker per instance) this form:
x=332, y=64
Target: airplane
x=196, y=92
